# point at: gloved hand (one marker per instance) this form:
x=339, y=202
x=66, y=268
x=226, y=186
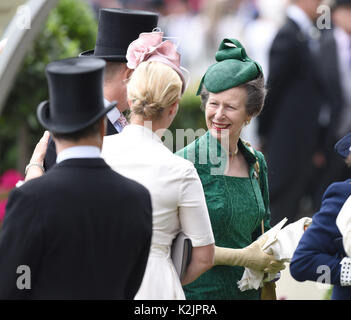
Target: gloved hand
x=251, y=257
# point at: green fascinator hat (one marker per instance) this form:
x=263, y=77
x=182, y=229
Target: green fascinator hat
x=232, y=69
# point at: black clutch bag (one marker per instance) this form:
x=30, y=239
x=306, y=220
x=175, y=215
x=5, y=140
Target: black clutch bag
x=181, y=253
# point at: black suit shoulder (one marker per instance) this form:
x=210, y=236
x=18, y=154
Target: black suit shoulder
x=286, y=48
x=287, y=34
x=90, y=182
x=22, y=203
x=80, y=213
x=89, y=174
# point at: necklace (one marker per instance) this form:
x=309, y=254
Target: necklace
x=233, y=153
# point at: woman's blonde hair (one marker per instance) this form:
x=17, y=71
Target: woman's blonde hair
x=153, y=87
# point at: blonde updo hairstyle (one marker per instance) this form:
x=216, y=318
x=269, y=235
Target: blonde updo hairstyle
x=153, y=87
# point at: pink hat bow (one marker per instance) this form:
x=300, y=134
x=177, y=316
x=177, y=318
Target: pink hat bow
x=150, y=47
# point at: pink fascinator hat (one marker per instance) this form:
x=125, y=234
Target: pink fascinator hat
x=150, y=47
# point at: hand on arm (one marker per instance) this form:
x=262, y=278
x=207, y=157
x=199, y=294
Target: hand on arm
x=35, y=166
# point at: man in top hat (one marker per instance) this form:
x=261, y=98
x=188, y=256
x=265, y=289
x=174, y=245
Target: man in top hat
x=320, y=255
x=334, y=60
x=288, y=125
x=116, y=30
x=81, y=231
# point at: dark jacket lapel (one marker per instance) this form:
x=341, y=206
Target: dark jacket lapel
x=110, y=128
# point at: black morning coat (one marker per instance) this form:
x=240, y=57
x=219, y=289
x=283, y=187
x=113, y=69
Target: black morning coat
x=50, y=157
x=331, y=78
x=83, y=230
x=289, y=120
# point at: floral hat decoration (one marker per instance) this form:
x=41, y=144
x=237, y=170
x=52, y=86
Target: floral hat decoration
x=232, y=69
x=7, y=182
x=150, y=47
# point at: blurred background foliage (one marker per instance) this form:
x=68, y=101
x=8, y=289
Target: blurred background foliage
x=70, y=28
x=189, y=115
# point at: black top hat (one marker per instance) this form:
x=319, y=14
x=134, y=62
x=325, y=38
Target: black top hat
x=76, y=95
x=117, y=29
x=342, y=147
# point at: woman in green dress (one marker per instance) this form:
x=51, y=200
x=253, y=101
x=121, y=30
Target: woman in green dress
x=233, y=175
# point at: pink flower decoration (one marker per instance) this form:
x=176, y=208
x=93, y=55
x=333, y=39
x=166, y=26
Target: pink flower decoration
x=150, y=47
x=2, y=209
x=7, y=182
x=9, y=179
x=142, y=47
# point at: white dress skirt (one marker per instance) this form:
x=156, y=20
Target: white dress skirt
x=161, y=281
x=178, y=203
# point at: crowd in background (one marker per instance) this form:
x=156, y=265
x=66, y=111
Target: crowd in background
x=199, y=24
x=307, y=73
x=297, y=142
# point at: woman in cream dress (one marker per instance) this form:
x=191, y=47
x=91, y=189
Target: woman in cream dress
x=138, y=153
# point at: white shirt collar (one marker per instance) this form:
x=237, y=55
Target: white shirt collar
x=143, y=131
x=300, y=18
x=114, y=114
x=78, y=152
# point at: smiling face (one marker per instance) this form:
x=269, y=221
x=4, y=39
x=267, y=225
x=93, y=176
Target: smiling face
x=226, y=112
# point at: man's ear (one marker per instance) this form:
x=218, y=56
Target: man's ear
x=103, y=126
x=127, y=73
x=129, y=102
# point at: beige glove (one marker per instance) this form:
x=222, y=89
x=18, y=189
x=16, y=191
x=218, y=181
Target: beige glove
x=251, y=257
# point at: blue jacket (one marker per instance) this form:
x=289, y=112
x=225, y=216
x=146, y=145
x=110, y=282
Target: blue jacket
x=320, y=248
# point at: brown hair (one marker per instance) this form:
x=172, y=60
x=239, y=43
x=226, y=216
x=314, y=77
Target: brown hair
x=256, y=94
x=112, y=67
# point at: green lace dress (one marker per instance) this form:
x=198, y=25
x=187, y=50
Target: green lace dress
x=236, y=207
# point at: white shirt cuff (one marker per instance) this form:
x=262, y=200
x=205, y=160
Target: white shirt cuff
x=19, y=183
x=345, y=274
